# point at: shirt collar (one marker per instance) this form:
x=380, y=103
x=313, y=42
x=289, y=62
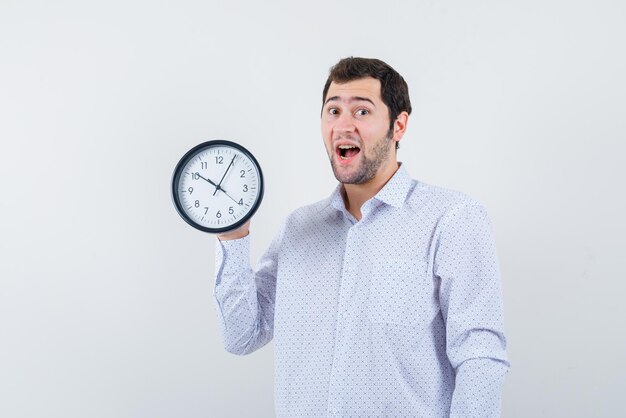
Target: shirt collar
x=393, y=193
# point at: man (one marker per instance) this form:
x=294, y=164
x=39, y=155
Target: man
x=383, y=299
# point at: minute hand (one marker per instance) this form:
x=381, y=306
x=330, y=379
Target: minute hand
x=226, y=172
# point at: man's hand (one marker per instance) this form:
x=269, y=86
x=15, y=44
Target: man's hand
x=240, y=232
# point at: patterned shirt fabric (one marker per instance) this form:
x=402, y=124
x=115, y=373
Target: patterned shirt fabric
x=398, y=314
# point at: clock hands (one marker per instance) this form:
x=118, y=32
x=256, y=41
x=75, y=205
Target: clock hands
x=229, y=196
x=226, y=172
x=198, y=174
x=217, y=187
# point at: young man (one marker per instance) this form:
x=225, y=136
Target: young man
x=383, y=299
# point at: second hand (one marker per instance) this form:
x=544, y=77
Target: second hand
x=218, y=188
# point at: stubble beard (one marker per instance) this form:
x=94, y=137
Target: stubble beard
x=369, y=165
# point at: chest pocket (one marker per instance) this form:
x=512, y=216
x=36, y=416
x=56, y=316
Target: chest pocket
x=401, y=292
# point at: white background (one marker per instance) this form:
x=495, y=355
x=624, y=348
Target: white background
x=105, y=293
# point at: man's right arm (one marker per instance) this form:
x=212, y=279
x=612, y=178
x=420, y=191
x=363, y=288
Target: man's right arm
x=244, y=299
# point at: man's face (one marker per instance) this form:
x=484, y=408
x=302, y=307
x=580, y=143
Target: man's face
x=355, y=128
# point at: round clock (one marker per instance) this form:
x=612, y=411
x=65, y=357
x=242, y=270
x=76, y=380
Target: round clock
x=217, y=186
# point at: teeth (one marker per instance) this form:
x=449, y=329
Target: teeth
x=343, y=148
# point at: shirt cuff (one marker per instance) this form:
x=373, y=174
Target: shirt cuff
x=232, y=256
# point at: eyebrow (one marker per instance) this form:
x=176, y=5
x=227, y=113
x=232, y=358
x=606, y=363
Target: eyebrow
x=351, y=99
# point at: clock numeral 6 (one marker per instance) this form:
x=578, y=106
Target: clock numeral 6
x=218, y=214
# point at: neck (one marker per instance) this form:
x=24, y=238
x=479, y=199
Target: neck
x=357, y=194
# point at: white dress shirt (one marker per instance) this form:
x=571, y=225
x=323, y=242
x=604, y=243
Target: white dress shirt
x=398, y=314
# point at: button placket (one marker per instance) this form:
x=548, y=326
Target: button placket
x=346, y=283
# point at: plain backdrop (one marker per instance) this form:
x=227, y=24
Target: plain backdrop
x=106, y=305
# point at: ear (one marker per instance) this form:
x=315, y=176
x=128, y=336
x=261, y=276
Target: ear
x=399, y=126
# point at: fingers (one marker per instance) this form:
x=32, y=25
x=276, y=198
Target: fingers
x=238, y=233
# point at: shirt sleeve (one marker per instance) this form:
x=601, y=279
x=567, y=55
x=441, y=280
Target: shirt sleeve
x=471, y=304
x=244, y=298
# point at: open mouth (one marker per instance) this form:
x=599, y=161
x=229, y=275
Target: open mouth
x=347, y=152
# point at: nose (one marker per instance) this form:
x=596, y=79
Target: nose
x=344, y=123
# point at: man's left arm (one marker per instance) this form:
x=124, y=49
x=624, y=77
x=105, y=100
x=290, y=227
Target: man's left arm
x=471, y=303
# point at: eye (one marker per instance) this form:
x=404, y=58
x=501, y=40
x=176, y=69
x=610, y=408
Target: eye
x=362, y=112
x=333, y=111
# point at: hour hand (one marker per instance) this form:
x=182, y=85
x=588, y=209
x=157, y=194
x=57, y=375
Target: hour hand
x=198, y=174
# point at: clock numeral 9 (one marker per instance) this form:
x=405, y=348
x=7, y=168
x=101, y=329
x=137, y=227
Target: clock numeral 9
x=231, y=210
x=190, y=190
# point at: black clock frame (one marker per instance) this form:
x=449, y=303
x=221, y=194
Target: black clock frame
x=178, y=171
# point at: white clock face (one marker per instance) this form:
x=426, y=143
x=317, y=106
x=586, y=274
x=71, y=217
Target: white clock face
x=218, y=186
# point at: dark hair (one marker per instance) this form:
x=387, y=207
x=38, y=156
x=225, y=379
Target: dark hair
x=393, y=89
